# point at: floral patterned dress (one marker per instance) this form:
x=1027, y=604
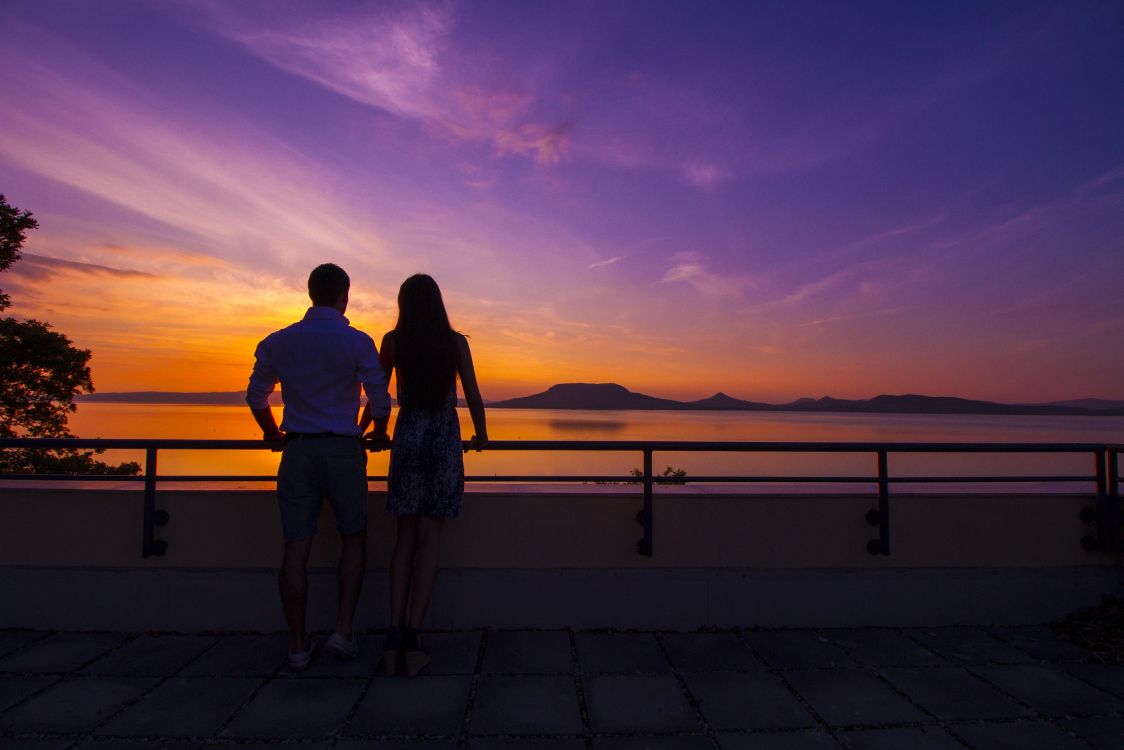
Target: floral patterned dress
x=426, y=474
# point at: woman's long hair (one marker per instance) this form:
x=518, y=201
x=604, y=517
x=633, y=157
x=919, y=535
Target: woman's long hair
x=425, y=343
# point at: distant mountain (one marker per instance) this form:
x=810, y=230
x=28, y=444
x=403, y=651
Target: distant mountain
x=721, y=402
x=610, y=396
x=587, y=396
x=1090, y=403
x=211, y=398
x=917, y=404
x=202, y=398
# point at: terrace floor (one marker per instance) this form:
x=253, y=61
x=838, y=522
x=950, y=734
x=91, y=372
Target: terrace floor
x=921, y=689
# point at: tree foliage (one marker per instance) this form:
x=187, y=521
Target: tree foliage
x=41, y=371
x=14, y=226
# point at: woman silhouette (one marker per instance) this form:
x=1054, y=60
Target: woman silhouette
x=426, y=477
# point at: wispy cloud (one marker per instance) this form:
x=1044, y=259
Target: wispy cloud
x=603, y=263
x=547, y=144
x=690, y=268
x=42, y=268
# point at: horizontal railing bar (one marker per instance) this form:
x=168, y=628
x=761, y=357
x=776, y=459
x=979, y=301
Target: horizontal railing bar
x=591, y=446
x=608, y=479
x=944, y=480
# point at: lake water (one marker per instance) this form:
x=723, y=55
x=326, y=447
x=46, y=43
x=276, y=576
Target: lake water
x=235, y=422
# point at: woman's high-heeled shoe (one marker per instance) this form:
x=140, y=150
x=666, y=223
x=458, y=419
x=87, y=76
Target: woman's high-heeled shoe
x=414, y=653
x=391, y=651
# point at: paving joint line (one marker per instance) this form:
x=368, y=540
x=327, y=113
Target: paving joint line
x=971, y=669
x=473, y=684
x=684, y=690
x=788, y=686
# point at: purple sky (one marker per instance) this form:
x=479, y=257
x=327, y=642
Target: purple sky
x=770, y=199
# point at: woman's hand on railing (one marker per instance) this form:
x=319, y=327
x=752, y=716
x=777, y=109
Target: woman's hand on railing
x=376, y=441
x=476, y=443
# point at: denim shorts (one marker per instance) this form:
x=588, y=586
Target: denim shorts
x=312, y=470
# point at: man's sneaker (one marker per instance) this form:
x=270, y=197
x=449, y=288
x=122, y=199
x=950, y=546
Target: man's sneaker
x=342, y=647
x=298, y=660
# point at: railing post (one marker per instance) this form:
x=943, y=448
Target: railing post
x=645, y=546
x=881, y=516
x=152, y=518
x=1108, y=509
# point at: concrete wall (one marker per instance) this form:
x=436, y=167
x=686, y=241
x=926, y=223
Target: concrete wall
x=72, y=559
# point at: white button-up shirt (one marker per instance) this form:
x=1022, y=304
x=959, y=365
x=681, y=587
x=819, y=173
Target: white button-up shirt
x=320, y=362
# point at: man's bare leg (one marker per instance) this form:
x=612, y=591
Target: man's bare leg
x=353, y=564
x=293, y=581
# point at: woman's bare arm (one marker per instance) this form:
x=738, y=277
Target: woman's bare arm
x=471, y=393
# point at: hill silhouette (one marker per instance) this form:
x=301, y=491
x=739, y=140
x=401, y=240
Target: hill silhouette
x=610, y=396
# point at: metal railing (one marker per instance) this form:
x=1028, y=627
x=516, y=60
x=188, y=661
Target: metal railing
x=1105, y=478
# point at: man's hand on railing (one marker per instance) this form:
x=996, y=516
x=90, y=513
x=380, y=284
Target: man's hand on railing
x=476, y=443
x=376, y=441
x=276, y=440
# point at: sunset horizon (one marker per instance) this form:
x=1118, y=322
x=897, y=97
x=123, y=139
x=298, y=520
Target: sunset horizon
x=773, y=202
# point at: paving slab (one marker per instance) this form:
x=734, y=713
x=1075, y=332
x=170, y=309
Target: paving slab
x=709, y=652
x=849, y=697
x=15, y=688
x=183, y=707
x=1102, y=732
x=526, y=743
x=817, y=740
x=649, y=704
x=883, y=647
x=899, y=738
x=798, y=649
x=747, y=700
x=426, y=705
x=658, y=742
x=965, y=645
x=448, y=744
x=240, y=656
x=60, y=653
x=1017, y=735
x=296, y=709
x=161, y=744
x=13, y=743
x=10, y=640
x=620, y=652
x=528, y=652
x=952, y=693
x=151, y=656
x=1040, y=642
x=452, y=653
x=75, y=705
x=534, y=704
x=1049, y=690
x=1105, y=676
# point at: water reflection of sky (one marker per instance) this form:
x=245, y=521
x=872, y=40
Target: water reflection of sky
x=587, y=427
x=231, y=422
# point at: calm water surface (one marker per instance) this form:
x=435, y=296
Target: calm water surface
x=235, y=422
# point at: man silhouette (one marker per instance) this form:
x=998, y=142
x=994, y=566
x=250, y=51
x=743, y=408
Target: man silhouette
x=320, y=362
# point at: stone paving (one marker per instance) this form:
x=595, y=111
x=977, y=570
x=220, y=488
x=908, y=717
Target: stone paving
x=877, y=688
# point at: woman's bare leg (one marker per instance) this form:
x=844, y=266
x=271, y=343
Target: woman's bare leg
x=425, y=567
x=401, y=565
